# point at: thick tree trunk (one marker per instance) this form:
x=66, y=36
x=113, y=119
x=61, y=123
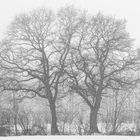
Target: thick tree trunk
x=93, y=122
x=54, y=127
x=93, y=116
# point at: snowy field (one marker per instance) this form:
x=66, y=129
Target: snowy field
x=71, y=138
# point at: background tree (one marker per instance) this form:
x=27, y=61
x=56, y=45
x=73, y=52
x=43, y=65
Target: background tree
x=116, y=110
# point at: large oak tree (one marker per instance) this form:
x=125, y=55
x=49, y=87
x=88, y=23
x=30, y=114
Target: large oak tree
x=35, y=53
x=100, y=61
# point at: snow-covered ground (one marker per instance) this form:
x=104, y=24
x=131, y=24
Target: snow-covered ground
x=71, y=138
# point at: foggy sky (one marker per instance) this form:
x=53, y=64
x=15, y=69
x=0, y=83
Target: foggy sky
x=124, y=9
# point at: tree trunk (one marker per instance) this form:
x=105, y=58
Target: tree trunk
x=54, y=127
x=93, y=116
x=16, y=130
x=114, y=127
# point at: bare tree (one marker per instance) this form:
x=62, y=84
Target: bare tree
x=29, y=37
x=36, y=52
x=100, y=61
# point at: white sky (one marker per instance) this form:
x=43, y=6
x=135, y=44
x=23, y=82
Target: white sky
x=128, y=9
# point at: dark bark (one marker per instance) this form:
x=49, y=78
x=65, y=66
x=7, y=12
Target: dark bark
x=54, y=127
x=93, y=116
